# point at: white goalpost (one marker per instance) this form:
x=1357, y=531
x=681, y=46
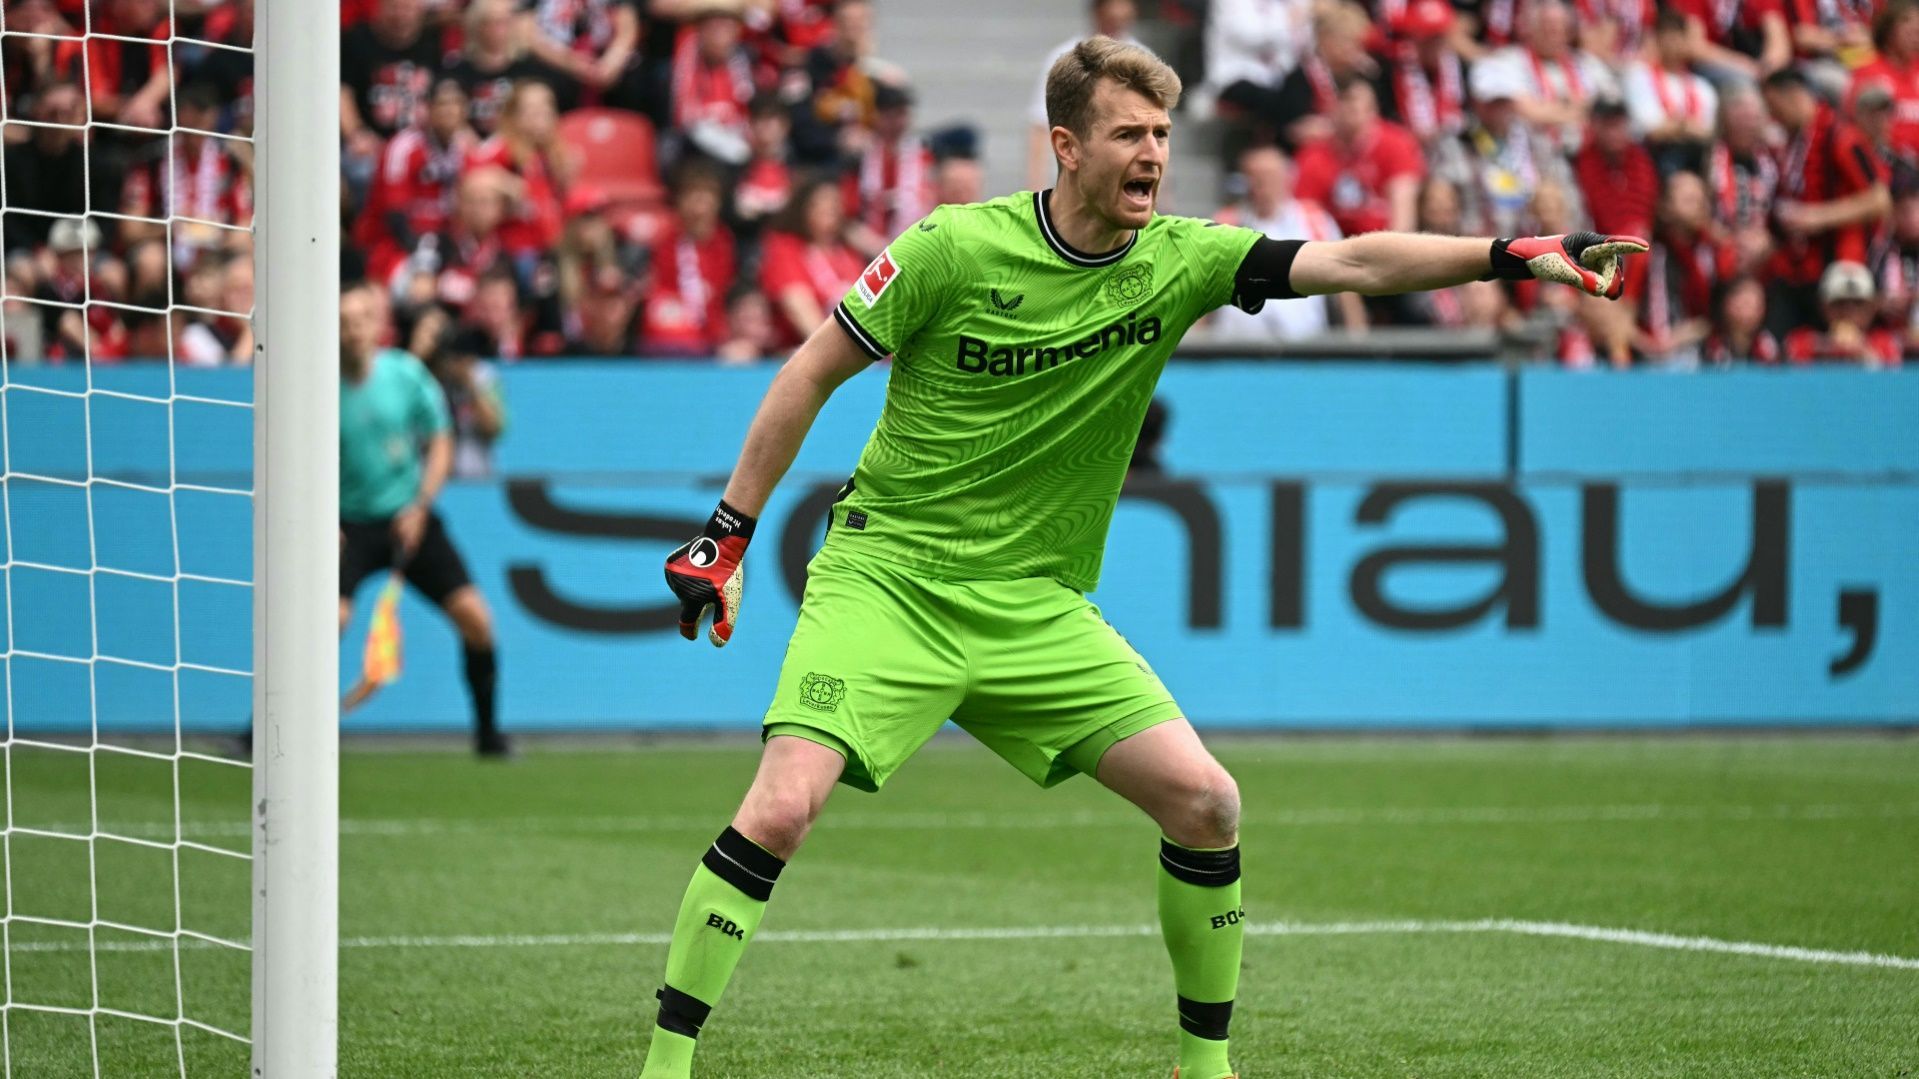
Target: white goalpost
x=296, y=554
x=168, y=551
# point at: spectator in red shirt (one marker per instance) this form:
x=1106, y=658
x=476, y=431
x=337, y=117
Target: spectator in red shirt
x=1896, y=33
x=1849, y=302
x=1832, y=194
x=127, y=83
x=1616, y=174
x=491, y=59
x=1739, y=332
x=412, y=194
x=892, y=186
x=208, y=185
x=448, y=269
x=712, y=86
x=1873, y=112
x=766, y=182
x=589, y=250
x=1689, y=258
x=593, y=45
x=527, y=147
x=1367, y=174
x=1428, y=81
x=1735, y=41
x=684, y=311
x=807, y=265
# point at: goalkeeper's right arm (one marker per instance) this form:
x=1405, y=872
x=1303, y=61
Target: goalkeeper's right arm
x=705, y=571
x=786, y=413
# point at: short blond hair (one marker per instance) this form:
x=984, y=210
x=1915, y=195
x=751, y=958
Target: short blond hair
x=1076, y=75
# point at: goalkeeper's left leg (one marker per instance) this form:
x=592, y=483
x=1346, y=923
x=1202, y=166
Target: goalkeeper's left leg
x=729, y=892
x=1167, y=772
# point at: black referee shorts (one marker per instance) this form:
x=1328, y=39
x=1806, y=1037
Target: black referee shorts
x=436, y=569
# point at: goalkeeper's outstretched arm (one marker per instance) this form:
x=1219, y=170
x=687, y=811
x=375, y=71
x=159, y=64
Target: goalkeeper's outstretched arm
x=1384, y=263
x=786, y=413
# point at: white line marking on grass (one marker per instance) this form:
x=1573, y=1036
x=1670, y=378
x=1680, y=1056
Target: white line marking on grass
x=1414, y=815
x=1564, y=930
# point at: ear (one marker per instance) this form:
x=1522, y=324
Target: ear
x=1066, y=149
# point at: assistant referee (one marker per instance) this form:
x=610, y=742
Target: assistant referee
x=396, y=447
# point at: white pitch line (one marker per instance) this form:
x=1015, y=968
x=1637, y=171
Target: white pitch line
x=1518, y=927
x=1410, y=815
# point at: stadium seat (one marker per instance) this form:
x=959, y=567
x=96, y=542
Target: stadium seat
x=617, y=155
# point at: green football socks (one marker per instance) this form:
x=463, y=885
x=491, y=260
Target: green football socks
x=1205, y=926
x=722, y=908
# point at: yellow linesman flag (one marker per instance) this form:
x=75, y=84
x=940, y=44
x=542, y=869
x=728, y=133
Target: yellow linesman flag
x=381, y=664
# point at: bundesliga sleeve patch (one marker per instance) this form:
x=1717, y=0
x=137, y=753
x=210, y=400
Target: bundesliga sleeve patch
x=879, y=274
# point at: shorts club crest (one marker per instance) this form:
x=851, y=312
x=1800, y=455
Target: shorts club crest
x=822, y=691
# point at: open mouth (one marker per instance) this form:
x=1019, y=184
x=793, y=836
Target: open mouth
x=1139, y=190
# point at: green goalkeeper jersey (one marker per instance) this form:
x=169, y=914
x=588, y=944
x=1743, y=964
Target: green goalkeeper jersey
x=1022, y=369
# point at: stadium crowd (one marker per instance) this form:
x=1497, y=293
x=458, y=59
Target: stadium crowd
x=1768, y=148
x=704, y=178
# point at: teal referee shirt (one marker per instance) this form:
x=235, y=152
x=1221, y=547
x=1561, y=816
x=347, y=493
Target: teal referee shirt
x=385, y=421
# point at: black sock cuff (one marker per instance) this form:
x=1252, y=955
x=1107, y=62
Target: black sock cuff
x=481, y=662
x=680, y=1013
x=1206, y=868
x=1203, y=1020
x=744, y=864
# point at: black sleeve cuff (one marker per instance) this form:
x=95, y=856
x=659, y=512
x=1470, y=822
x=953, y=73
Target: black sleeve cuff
x=867, y=342
x=1266, y=273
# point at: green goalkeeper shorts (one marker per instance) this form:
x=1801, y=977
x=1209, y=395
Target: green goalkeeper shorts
x=881, y=658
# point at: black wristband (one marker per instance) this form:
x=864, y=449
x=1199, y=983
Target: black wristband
x=1506, y=266
x=727, y=521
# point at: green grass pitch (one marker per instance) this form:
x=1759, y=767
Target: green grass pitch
x=1420, y=909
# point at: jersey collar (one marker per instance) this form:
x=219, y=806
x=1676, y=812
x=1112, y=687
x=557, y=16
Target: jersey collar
x=1067, y=251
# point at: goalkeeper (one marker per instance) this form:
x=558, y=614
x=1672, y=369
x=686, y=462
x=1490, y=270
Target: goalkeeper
x=390, y=408
x=1027, y=335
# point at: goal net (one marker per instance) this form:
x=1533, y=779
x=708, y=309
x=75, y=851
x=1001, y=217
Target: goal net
x=167, y=505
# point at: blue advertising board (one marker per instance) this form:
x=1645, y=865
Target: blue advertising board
x=1329, y=546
